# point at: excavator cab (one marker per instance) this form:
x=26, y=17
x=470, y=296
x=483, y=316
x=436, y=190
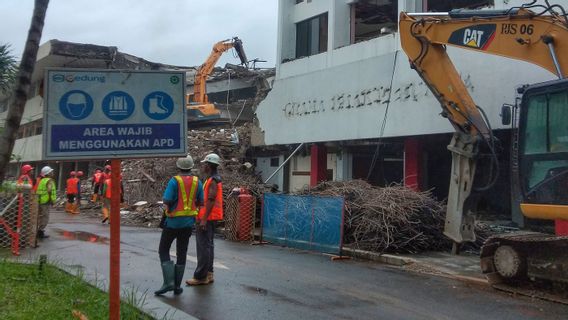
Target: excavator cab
x=543, y=150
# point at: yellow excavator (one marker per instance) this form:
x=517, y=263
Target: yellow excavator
x=535, y=33
x=198, y=102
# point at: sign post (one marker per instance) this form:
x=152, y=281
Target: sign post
x=114, y=286
x=114, y=114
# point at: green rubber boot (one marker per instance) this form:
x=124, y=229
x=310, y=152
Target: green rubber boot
x=168, y=274
x=180, y=268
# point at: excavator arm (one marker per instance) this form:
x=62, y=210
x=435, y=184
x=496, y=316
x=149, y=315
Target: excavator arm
x=199, y=95
x=518, y=33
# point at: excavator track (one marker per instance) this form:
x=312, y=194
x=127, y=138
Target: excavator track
x=527, y=263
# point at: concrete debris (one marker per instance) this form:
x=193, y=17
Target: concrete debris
x=110, y=56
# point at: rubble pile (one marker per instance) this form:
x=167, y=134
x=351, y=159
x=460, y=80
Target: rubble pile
x=391, y=219
x=146, y=179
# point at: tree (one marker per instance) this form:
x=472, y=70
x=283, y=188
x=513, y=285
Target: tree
x=8, y=69
x=22, y=86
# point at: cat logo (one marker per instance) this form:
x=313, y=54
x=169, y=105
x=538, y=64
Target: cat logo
x=477, y=36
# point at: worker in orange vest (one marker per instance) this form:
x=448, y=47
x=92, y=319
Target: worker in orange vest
x=25, y=180
x=78, y=199
x=107, y=194
x=104, y=177
x=209, y=214
x=72, y=191
x=96, y=184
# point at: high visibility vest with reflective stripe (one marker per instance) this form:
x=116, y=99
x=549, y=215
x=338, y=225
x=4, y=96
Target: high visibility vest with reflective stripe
x=72, y=186
x=187, y=194
x=42, y=191
x=217, y=211
x=25, y=179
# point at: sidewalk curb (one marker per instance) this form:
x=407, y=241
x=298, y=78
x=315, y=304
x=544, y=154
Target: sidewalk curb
x=389, y=259
x=398, y=261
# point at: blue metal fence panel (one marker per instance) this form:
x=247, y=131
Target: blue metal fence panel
x=304, y=222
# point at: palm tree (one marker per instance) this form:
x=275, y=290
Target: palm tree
x=22, y=86
x=8, y=69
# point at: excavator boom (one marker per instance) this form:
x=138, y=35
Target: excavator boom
x=199, y=100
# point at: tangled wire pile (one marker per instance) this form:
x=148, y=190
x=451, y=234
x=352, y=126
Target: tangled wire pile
x=392, y=219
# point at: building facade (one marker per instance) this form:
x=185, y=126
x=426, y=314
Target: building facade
x=345, y=89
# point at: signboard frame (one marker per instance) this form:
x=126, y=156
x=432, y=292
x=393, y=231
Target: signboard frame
x=147, y=153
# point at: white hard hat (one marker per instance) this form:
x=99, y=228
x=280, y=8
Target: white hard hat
x=185, y=163
x=46, y=170
x=212, y=158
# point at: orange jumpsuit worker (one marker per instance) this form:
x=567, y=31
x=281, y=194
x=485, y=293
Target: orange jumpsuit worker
x=104, y=177
x=107, y=195
x=72, y=192
x=96, y=184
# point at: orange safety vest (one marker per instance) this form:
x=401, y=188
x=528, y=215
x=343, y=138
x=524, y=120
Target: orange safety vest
x=187, y=194
x=36, y=184
x=217, y=210
x=108, y=192
x=72, y=186
x=25, y=179
x=108, y=183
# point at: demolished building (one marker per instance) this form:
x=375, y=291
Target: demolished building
x=234, y=89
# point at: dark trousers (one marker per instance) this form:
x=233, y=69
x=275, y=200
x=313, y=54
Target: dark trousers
x=182, y=241
x=205, y=250
x=71, y=197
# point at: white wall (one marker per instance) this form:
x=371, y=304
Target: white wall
x=303, y=164
x=299, y=164
x=29, y=149
x=264, y=168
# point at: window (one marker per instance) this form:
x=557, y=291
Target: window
x=545, y=136
x=274, y=162
x=546, y=129
x=299, y=1
x=311, y=36
x=38, y=129
x=373, y=18
x=447, y=5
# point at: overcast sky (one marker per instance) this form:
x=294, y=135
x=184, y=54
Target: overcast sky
x=177, y=32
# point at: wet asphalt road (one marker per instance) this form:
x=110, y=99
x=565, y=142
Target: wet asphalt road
x=266, y=282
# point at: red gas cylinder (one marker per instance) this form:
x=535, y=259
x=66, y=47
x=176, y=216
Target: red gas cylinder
x=246, y=216
x=561, y=227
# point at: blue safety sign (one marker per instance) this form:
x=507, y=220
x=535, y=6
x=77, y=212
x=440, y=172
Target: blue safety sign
x=102, y=114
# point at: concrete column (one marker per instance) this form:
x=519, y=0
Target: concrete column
x=412, y=167
x=318, y=170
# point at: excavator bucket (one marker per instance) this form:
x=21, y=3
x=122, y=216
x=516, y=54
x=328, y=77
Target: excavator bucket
x=203, y=112
x=238, y=46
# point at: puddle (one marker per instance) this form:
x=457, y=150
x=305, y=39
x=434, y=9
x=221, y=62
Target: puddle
x=257, y=290
x=271, y=294
x=82, y=236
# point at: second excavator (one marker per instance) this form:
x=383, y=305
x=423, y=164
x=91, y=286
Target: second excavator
x=198, y=102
